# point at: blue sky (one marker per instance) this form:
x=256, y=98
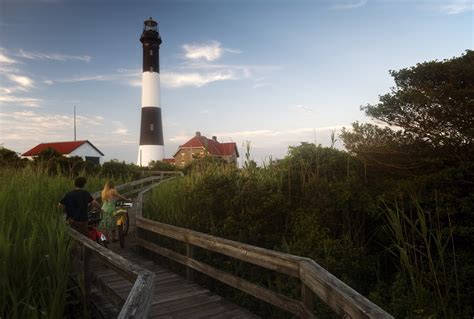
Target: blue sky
x=275, y=73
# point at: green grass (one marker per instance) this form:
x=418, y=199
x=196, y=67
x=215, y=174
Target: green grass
x=34, y=244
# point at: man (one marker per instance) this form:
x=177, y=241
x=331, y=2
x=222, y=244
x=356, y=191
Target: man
x=75, y=203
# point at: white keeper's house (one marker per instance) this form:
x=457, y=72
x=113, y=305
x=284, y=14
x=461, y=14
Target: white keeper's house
x=84, y=149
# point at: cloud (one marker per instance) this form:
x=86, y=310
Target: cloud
x=247, y=134
x=208, y=52
x=268, y=141
x=120, y=128
x=265, y=133
x=303, y=108
x=130, y=77
x=22, y=80
x=24, y=129
x=15, y=100
x=175, y=80
x=350, y=5
x=198, y=69
x=457, y=7
x=6, y=60
x=53, y=56
x=260, y=82
x=135, y=83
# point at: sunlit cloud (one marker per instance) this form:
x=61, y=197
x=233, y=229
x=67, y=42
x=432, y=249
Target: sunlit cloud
x=21, y=80
x=198, y=70
x=7, y=100
x=5, y=59
x=53, y=56
x=175, y=80
x=25, y=129
x=209, y=52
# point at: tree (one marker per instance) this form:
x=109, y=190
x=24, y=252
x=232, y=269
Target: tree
x=9, y=158
x=48, y=154
x=429, y=111
x=161, y=166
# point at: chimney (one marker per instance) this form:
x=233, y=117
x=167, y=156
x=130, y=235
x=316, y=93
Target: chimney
x=198, y=134
x=214, y=138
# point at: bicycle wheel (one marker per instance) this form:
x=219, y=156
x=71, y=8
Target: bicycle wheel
x=126, y=223
x=121, y=236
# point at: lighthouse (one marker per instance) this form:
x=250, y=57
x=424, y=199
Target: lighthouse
x=151, y=131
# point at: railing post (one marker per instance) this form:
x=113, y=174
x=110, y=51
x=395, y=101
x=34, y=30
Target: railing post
x=86, y=284
x=307, y=296
x=189, y=254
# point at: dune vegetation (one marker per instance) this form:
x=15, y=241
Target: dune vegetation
x=392, y=215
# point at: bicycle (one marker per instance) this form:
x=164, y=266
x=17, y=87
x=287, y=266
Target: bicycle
x=94, y=218
x=122, y=220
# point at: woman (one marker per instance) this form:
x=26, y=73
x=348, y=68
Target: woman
x=109, y=197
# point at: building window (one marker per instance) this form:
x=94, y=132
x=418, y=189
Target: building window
x=151, y=69
x=151, y=52
x=182, y=154
x=152, y=127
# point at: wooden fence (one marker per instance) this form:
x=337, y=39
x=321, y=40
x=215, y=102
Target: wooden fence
x=314, y=279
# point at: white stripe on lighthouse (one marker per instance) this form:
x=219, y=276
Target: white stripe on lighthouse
x=148, y=153
x=150, y=89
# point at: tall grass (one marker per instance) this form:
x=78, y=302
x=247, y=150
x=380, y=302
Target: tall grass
x=423, y=243
x=34, y=244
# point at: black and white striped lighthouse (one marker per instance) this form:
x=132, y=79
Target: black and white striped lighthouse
x=151, y=131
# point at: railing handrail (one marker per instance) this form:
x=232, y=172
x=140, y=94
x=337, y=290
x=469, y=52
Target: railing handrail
x=142, y=181
x=344, y=300
x=139, y=299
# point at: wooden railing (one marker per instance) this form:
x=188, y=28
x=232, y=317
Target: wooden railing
x=138, y=302
x=314, y=279
x=137, y=186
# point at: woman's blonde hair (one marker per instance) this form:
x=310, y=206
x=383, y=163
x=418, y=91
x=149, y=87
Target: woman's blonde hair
x=107, y=191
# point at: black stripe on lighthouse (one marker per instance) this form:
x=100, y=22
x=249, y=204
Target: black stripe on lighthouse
x=151, y=57
x=151, y=131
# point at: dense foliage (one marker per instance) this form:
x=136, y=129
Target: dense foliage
x=34, y=245
x=393, y=217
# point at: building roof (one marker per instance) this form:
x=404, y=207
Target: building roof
x=62, y=148
x=212, y=145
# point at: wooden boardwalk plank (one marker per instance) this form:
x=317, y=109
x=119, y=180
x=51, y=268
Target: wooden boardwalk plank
x=174, y=296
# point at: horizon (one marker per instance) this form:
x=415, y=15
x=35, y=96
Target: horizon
x=275, y=74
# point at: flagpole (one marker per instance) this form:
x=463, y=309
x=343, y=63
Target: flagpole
x=74, y=123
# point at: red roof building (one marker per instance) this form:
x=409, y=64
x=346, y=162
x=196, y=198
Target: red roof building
x=83, y=149
x=200, y=146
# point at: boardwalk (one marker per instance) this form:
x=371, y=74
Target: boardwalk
x=107, y=274
x=175, y=297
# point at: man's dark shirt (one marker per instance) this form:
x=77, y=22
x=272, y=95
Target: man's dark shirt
x=76, y=203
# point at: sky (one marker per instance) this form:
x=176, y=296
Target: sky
x=272, y=72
